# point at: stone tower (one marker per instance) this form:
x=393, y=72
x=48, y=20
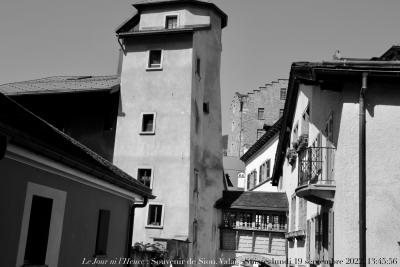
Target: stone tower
x=169, y=130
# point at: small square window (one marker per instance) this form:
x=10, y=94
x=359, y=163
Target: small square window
x=283, y=94
x=155, y=59
x=281, y=112
x=171, y=22
x=144, y=175
x=155, y=215
x=260, y=114
x=260, y=132
x=206, y=107
x=148, y=123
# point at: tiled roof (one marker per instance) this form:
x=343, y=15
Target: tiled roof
x=61, y=84
x=27, y=130
x=274, y=130
x=250, y=200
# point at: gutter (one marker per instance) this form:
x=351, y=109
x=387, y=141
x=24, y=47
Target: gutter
x=362, y=171
x=130, y=228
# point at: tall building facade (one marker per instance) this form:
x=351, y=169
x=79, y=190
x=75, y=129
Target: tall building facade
x=169, y=130
x=253, y=113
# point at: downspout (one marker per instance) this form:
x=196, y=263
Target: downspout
x=130, y=229
x=362, y=172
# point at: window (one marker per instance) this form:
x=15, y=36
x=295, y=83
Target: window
x=206, y=107
x=102, y=232
x=155, y=59
x=196, y=181
x=260, y=132
x=38, y=231
x=241, y=106
x=283, y=94
x=144, y=175
x=260, y=114
x=198, y=66
x=155, y=215
x=268, y=168
x=171, y=22
x=148, y=123
x=281, y=112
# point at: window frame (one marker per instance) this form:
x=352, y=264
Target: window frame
x=141, y=132
x=169, y=15
x=258, y=114
x=160, y=67
x=283, y=91
x=162, y=215
x=281, y=112
x=56, y=222
x=151, y=174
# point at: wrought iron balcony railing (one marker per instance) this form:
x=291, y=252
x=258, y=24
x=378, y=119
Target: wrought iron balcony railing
x=316, y=166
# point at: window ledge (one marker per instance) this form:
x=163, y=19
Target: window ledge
x=154, y=68
x=154, y=226
x=147, y=133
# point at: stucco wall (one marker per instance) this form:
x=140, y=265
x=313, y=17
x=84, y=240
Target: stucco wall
x=206, y=139
x=382, y=172
x=166, y=92
x=80, y=218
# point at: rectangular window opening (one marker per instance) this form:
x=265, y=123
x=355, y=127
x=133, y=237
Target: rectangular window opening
x=206, y=107
x=198, y=66
x=148, y=123
x=102, y=232
x=155, y=215
x=260, y=133
x=196, y=181
x=171, y=22
x=281, y=112
x=38, y=231
x=144, y=175
x=260, y=114
x=283, y=94
x=154, y=59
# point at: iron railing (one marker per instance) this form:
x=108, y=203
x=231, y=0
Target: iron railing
x=316, y=166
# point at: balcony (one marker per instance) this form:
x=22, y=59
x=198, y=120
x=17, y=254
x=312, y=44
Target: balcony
x=316, y=175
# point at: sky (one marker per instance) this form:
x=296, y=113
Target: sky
x=40, y=38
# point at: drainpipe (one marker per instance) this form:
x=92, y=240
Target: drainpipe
x=130, y=230
x=3, y=146
x=362, y=173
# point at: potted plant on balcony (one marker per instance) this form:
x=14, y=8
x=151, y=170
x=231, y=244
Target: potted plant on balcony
x=302, y=142
x=291, y=155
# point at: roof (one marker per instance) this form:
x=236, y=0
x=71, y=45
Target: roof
x=272, y=131
x=27, y=130
x=319, y=73
x=251, y=200
x=61, y=84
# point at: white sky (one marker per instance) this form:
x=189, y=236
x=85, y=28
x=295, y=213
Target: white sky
x=76, y=37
